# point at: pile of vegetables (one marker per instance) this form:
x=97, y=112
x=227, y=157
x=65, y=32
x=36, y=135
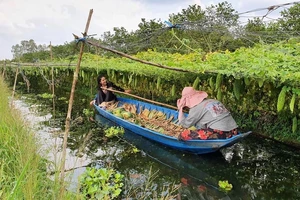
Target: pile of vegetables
x=150, y=119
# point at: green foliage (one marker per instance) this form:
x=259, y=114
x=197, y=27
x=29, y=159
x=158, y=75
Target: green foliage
x=237, y=88
x=261, y=71
x=88, y=112
x=224, y=185
x=24, y=47
x=23, y=172
x=290, y=20
x=45, y=96
x=265, y=67
x=135, y=150
x=114, y=131
x=214, y=28
x=102, y=184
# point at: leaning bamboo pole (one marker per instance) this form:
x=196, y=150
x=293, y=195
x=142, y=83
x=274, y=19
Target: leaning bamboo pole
x=144, y=61
x=136, y=59
x=68, y=118
x=144, y=99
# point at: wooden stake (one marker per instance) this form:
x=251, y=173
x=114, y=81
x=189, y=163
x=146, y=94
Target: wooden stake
x=3, y=73
x=14, y=88
x=52, y=81
x=53, y=93
x=51, y=56
x=68, y=119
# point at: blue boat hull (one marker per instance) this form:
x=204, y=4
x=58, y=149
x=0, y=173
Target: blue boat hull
x=191, y=146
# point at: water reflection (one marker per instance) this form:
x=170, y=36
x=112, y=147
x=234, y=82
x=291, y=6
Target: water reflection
x=195, y=183
x=257, y=168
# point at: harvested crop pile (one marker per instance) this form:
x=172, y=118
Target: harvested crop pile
x=150, y=119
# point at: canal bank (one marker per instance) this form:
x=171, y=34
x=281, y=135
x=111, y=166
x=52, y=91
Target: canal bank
x=257, y=168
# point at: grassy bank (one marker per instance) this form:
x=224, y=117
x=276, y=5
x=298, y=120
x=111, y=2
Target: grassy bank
x=22, y=171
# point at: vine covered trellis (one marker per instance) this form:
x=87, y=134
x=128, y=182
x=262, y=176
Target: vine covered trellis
x=258, y=83
x=264, y=93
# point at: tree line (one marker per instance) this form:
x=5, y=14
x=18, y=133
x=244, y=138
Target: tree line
x=194, y=29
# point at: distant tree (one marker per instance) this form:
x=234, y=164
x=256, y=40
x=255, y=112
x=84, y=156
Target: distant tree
x=145, y=37
x=189, y=29
x=150, y=34
x=118, y=39
x=17, y=51
x=209, y=29
x=194, y=29
x=36, y=56
x=68, y=49
x=193, y=13
x=42, y=47
x=220, y=23
x=284, y=28
x=255, y=30
x=25, y=47
x=290, y=20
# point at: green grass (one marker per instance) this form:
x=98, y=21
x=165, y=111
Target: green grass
x=23, y=172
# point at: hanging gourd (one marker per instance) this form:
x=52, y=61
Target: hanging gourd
x=237, y=88
x=196, y=83
x=173, y=90
x=218, y=81
x=211, y=83
x=292, y=103
x=281, y=99
x=158, y=83
x=295, y=124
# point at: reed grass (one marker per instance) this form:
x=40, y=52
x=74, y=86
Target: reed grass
x=23, y=173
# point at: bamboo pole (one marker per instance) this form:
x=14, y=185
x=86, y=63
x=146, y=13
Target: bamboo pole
x=14, y=88
x=144, y=61
x=136, y=59
x=68, y=118
x=144, y=99
x=52, y=81
x=53, y=88
x=51, y=55
x=4, y=68
x=43, y=64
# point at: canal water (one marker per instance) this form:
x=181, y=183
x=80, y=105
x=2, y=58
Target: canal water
x=256, y=167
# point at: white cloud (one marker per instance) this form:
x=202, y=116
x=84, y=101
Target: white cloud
x=56, y=20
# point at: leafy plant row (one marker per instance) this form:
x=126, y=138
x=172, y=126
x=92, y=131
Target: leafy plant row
x=258, y=83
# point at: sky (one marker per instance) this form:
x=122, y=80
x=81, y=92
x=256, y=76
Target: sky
x=54, y=21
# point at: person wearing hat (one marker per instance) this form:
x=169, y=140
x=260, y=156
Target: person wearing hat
x=210, y=117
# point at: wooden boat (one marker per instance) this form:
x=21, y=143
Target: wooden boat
x=191, y=146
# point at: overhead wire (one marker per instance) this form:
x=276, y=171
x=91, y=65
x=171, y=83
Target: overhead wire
x=273, y=7
x=149, y=36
